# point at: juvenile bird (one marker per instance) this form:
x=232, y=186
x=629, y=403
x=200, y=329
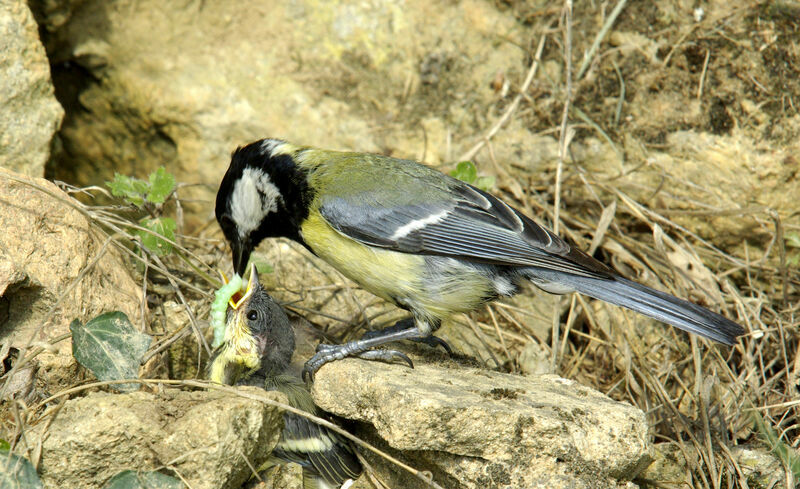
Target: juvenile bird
x=429, y=243
x=257, y=350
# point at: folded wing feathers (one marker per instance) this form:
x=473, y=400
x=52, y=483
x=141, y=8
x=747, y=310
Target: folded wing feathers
x=318, y=449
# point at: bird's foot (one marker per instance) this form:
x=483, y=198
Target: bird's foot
x=404, y=325
x=329, y=353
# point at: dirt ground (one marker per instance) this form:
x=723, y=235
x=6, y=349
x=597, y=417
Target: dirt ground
x=665, y=69
x=680, y=172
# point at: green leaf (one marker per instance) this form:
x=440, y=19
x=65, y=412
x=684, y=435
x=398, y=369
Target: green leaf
x=4, y=445
x=793, y=240
x=161, y=185
x=140, y=186
x=164, y=227
x=263, y=266
x=785, y=452
x=128, y=479
x=130, y=189
x=485, y=183
x=465, y=171
x=17, y=472
x=110, y=347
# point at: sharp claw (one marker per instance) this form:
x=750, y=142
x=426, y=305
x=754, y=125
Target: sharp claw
x=324, y=354
x=385, y=356
x=435, y=341
x=307, y=375
x=405, y=358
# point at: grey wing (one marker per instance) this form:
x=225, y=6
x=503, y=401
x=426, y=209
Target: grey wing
x=317, y=449
x=466, y=223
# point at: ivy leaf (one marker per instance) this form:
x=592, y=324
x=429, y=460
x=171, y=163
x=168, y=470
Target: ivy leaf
x=161, y=185
x=164, y=227
x=128, y=479
x=465, y=171
x=110, y=347
x=17, y=472
x=130, y=189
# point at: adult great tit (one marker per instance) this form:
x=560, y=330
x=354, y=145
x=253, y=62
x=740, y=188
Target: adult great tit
x=425, y=241
x=257, y=350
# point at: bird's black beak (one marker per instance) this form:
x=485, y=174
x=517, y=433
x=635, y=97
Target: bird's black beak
x=241, y=249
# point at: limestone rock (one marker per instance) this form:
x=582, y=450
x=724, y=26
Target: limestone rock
x=182, y=84
x=535, y=360
x=478, y=428
x=29, y=112
x=668, y=467
x=45, y=248
x=205, y=436
x=288, y=476
x=703, y=172
x=761, y=467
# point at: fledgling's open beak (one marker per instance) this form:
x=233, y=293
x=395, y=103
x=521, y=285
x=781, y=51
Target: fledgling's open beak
x=240, y=350
x=237, y=299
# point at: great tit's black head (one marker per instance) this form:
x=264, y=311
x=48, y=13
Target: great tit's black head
x=258, y=337
x=263, y=194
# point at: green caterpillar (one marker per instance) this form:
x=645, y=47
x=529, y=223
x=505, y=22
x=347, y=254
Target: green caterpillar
x=219, y=307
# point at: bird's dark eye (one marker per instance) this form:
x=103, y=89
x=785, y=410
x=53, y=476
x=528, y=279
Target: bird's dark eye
x=252, y=315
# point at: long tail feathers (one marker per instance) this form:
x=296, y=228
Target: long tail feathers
x=650, y=302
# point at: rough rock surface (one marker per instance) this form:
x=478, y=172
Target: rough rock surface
x=45, y=247
x=182, y=85
x=477, y=428
x=761, y=467
x=204, y=436
x=29, y=112
x=720, y=172
x=668, y=467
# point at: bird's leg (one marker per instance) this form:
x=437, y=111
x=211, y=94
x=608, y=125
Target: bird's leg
x=403, y=324
x=361, y=348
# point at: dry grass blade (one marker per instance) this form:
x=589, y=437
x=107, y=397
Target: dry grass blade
x=511, y=108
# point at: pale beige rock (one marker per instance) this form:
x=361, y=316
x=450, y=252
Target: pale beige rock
x=668, y=468
x=205, y=436
x=29, y=112
x=479, y=428
x=51, y=256
x=761, y=467
x=182, y=85
x=720, y=176
x=288, y=476
x=535, y=360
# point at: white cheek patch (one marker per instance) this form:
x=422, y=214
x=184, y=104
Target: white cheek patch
x=418, y=224
x=254, y=196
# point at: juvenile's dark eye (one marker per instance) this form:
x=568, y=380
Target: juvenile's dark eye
x=252, y=315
